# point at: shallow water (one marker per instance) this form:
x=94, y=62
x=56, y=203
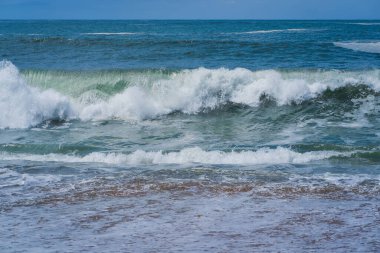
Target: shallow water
x=221, y=136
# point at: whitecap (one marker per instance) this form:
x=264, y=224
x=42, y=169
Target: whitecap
x=274, y=31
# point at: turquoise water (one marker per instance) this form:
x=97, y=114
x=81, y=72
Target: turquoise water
x=221, y=136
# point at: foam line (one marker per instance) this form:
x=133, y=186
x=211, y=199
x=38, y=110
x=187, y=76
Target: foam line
x=280, y=155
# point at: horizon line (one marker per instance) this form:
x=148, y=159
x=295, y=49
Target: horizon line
x=178, y=19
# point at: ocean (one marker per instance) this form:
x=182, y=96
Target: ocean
x=189, y=136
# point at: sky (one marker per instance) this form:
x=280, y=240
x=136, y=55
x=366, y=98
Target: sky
x=189, y=9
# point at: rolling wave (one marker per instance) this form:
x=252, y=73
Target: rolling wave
x=150, y=94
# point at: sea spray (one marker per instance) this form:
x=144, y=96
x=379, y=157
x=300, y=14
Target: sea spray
x=23, y=106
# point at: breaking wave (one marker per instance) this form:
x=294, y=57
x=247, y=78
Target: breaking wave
x=32, y=97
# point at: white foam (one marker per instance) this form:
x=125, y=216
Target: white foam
x=23, y=106
x=273, y=31
x=368, y=47
x=109, y=33
x=133, y=104
x=279, y=155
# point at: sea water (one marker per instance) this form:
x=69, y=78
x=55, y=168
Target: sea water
x=189, y=136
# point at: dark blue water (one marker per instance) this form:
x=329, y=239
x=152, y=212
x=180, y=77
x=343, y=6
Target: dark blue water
x=190, y=136
x=186, y=44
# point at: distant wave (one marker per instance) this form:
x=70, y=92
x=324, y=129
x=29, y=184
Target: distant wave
x=109, y=33
x=273, y=31
x=368, y=47
x=148, y=95
x=369, y=24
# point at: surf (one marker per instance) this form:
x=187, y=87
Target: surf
x=38, y=96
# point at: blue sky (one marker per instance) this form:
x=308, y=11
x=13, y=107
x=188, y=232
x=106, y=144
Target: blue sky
x=189, y=9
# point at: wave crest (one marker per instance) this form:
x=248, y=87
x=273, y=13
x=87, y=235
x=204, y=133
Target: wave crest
x=23, y=106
